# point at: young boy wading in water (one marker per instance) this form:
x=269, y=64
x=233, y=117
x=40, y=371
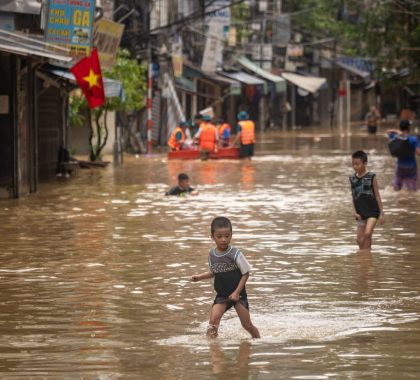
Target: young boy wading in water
x=230, y=270
x=367, y=204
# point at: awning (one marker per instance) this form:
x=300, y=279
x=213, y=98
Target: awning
x=309, y=84
x=29, y=45
x=22, y=6
x=113, y=88
x=234, y=85
x=244, y=78
x=192, y=71
x=184, y=84
x=365, y=75
x=279, y=81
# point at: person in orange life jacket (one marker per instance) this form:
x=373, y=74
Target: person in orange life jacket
x=177, y=137
x=224, y=132
x=246, y=135
x=207, y=137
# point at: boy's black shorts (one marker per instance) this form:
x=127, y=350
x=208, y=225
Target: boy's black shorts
x=242, y=300
x=246, y=150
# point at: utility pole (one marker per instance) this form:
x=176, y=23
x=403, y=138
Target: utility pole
x=149, y=123
x=334, y=85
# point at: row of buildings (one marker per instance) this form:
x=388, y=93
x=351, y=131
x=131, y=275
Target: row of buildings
x=221, y=56
x=229, y=56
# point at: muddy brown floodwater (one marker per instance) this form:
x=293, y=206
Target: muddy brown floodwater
x=95, y=271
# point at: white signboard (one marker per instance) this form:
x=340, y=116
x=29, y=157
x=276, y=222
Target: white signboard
x=213, y=51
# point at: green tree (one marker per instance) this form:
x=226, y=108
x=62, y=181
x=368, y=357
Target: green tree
x=132, y=75
x=385, y=31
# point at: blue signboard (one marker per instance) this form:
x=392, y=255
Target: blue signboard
x=70, y=23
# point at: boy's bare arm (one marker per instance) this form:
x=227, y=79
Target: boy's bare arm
x=379, y=200
x=235, y=295
x=202, y=276
x=357, y=216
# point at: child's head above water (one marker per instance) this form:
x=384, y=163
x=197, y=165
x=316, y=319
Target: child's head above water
x=359, y=161
x=221, y=232
x=183, y=181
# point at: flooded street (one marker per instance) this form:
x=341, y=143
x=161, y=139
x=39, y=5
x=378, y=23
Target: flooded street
x=95, y=271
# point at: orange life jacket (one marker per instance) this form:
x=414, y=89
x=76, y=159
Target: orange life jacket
x=207, y=137
x=173, y=143
x=222, y=129
x=247, y=132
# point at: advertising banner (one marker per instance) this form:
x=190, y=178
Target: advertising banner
x=177, y=59
x=70, y=23
x=106, y=38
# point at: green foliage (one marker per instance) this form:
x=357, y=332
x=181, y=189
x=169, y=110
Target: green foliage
x=77, y=105
x=133, y=77
x=388, y=32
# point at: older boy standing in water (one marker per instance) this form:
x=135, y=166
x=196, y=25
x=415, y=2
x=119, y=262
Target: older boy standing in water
x=230, y=270
x=367, y=203
x=406, y=170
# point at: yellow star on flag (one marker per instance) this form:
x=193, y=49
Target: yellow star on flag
x=92, y=79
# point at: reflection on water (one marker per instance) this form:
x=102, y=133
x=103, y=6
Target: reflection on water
x=95, y=271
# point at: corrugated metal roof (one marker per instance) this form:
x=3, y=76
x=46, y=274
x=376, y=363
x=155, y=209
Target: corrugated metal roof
x=245, y=62
x=21, y=6
x=30, y=45
x=280, y=83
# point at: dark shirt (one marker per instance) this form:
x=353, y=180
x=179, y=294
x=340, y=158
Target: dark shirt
x=410, y=161
x=177, y=191
x=364, y=198
x=228, y=268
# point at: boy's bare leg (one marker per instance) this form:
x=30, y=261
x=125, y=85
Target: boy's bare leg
x=361, y=235
x=370, y=226
x=245, y=318
x=216, y=315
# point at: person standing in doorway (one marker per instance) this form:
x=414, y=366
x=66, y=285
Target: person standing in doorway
x=246, y=135
x=372, y=119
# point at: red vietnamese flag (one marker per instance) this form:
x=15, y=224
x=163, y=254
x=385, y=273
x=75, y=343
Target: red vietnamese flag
x=89, y=78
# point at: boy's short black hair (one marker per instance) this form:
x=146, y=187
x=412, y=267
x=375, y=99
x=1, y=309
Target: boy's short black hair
x=182, y=177
x=360, y=155
x=220, y=222
x=405, y=125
